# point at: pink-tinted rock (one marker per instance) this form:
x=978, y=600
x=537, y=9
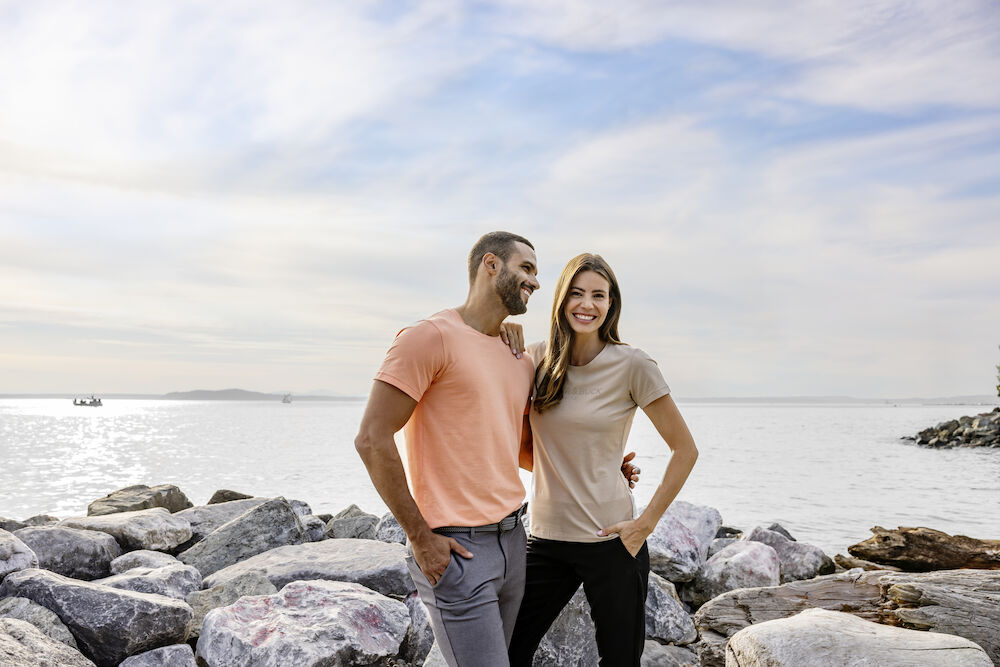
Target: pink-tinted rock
x=674, y=552
x=307, y=624
x=703, y=522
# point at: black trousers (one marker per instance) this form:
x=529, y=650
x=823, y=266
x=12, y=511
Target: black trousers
x=614, y=582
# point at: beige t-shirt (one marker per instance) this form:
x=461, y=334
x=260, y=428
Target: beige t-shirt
x=579, y=444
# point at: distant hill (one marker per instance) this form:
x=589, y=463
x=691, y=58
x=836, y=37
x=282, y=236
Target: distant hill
x=244, y=395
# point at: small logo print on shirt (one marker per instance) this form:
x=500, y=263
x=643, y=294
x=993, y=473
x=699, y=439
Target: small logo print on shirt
x=582, y=391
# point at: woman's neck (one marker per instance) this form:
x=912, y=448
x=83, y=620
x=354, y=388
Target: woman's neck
x=585, y=348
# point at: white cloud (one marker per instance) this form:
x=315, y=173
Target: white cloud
x=890, y=55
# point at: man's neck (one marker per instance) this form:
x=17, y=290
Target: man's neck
x=483, y=313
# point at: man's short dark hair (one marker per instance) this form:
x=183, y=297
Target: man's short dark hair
x=500, y=244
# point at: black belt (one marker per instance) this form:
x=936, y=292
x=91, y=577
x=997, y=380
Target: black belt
x=506, y=524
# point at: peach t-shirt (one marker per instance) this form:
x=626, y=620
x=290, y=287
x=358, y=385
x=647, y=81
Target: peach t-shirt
x=463, y=438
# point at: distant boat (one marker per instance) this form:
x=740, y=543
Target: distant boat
x=287, y=398
x=91, y=402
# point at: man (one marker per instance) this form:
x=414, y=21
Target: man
x=461, y=396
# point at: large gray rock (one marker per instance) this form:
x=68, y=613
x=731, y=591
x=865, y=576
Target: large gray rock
x=225, y=495
x=29, y=611
x=300, y=507
x=206, y=519
x=571, y=638
x=307, y=624
x=703, y=522
x=315, y=528
x=141, y=558
x=22, y=644
x=15, y=555
x=666, y=619
x=823, y=637
x=377, y=565
x=225, y=594
x=664, y=655
x=264, y=527
x=796, y=559
x=140, y=497
x=389, y=530
x=10, y=525
x=718, y=544
x=109, y=624
x=420, y=637
x=80, y=554
x=41, y=520
x=178, y=655
x=674, y=551
x=360, y=527
x=155, y=529
x=349, y=511
x=435, y=658
x=175, y=580
x=740, y=565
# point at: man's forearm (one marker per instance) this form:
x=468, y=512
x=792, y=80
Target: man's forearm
x=386, y=471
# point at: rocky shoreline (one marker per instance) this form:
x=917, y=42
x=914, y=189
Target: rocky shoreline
x=148, y=579
x=982, y=430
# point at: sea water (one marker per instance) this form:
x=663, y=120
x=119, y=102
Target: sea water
x=827, y=473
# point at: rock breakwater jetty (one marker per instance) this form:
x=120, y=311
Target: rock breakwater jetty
x=148, y=578
x=982, y=430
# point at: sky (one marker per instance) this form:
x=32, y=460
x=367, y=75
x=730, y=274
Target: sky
x=798, y=199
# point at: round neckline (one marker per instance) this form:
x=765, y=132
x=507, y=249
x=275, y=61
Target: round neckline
x=596, y=356
x=461, y=320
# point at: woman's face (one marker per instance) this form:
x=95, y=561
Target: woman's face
x=587, y=302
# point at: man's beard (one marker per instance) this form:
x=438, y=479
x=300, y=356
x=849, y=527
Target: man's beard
x=509, y=290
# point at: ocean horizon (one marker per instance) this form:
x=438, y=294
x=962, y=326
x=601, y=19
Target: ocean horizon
x=827, y=472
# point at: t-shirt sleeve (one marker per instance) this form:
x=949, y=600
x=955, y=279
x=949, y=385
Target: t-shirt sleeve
x=646, y=383
x=414, y=359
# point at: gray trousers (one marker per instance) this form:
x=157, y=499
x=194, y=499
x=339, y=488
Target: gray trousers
x=474, y=604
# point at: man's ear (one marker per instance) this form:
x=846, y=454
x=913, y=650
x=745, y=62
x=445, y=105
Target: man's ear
x=492, y=263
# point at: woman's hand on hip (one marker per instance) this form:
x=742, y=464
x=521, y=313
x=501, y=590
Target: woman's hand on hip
x=631, y=533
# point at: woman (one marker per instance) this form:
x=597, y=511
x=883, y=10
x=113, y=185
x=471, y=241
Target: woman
x=588, y=384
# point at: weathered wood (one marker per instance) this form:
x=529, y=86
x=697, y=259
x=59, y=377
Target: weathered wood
x=957, y=602
x=850, y=562
x=926, y=549
x=965, y=603
x=856, y=592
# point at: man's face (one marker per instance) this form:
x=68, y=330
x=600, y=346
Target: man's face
x=516, y=280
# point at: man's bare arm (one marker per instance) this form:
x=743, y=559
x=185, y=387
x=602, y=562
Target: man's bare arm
x=387, y=412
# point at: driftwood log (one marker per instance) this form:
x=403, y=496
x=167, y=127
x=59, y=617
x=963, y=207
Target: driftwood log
x=855, y=592
x=965, y=603
x=957, y=602
x=850, y=562
x=925, y=549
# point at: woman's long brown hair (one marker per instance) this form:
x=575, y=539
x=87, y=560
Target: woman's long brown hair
x=551, y=374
